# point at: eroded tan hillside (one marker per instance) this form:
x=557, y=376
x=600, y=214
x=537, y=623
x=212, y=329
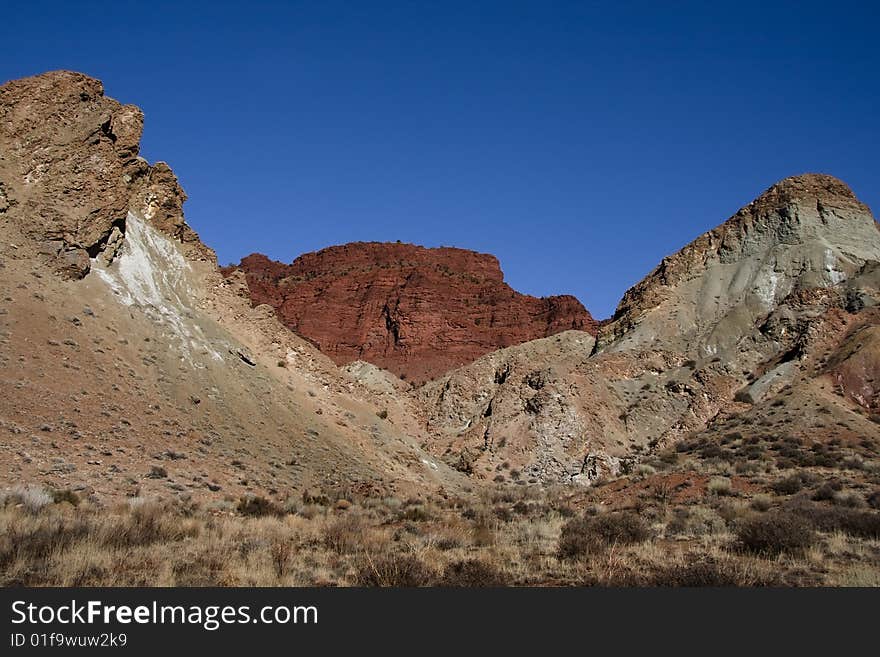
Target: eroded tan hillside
x=146, y=372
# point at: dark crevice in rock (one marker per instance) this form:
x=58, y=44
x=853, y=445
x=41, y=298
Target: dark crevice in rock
x=391, y=324
x=107, y=129
x=487, y=441
x=443, y=392
x=792, y=354
x=245, y=357
x=96, y=249
x=820, y=209
x=5, y=201
x=535, y=380
x=533, y=405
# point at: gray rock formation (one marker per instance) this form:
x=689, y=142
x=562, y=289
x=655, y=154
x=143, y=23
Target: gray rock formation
x=805, y=232
x=731, y=320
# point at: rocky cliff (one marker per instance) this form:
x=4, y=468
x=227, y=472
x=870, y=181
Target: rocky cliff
x=70, y=171
x=415, y=311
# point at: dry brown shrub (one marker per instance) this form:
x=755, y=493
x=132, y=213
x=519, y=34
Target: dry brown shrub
x=345, y=535
x=394, y=570
x=589, y=534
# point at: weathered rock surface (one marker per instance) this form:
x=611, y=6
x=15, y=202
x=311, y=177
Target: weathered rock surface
x=525, y=406
x=779, y=298
x=805, y=232
x=70, y=170
x=375, y=378
x=414, y=311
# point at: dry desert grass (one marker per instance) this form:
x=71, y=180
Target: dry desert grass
x=509, y=537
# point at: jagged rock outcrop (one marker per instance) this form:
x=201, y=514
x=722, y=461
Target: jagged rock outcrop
x=70, y=171
x=159, y=198
x=525, y=407
x=414, y=311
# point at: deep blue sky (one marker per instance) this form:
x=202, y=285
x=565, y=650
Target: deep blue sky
x=579, y=143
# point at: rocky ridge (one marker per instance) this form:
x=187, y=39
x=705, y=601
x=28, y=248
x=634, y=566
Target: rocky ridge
x=768, y=302
x=805, y=232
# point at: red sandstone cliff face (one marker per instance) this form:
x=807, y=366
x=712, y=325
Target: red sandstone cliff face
x=415, y=311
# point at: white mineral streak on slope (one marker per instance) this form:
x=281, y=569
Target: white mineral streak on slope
x=834, y=274
x=150, y=272
x=766, y=289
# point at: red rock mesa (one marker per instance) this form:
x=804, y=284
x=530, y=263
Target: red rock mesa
x=415, y=311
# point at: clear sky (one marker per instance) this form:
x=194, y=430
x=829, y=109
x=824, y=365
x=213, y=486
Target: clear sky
x=578, y=142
